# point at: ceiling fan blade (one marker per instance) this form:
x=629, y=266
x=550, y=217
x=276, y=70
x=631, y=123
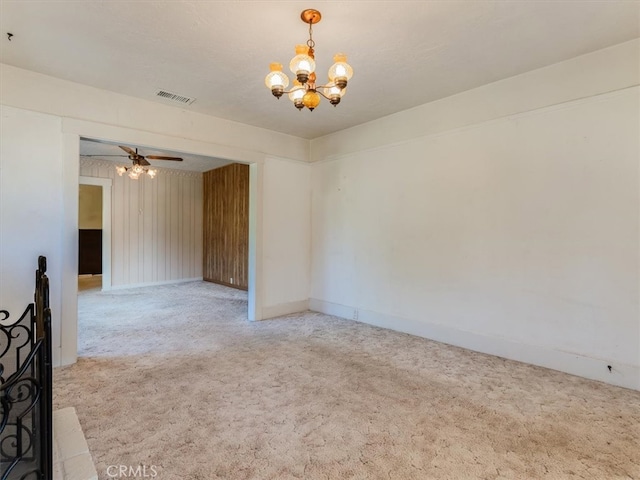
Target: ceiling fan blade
x=129, y=151
x=156, y=157
x=142, y=161
x=98, y=155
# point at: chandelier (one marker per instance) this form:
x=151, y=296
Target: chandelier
x=305, y=92
x=135, y=171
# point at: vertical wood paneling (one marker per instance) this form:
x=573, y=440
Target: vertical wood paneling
x=174, y=208
x=156, y=225
x=147, y=218
x=160, y=229
x=184, y=230
x=154, y=232
x=117, y=232
x=132, y=225
x=226, y=225
x=199, y=229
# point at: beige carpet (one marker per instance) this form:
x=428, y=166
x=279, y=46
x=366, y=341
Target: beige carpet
x=175, y=378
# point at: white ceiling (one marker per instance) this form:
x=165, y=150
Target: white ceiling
x=404, y=53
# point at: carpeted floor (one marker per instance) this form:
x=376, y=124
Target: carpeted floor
x=174, y=379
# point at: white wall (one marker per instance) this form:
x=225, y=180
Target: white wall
x=34, y=91
x=287, y=236
x=48, y=142
x=605, y=70
x=30, y=205
x=515, y=235
x=156, y=225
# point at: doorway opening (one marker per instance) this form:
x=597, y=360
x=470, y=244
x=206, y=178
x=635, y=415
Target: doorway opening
x=89, y=237
x=158, y=224
x=94, y=233
x=75, y=134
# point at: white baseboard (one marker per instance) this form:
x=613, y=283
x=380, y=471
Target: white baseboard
x=334, y=309
x=285, y=309
x=622, y=375
x=152, y=284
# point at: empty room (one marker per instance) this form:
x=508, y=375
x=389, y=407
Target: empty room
x=342, y=240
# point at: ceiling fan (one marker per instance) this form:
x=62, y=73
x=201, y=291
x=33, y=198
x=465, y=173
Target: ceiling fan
x=139, y=161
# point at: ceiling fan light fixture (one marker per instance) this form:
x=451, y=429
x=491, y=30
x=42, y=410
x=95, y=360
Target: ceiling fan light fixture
x=134, y=172
x=140, y=162
x=305, y=92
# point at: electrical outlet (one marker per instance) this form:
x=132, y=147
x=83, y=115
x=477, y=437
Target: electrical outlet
x=355, y=313
x=231, y=280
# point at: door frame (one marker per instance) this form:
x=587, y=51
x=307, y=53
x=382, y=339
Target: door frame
x=72, y=130
x=106, y=184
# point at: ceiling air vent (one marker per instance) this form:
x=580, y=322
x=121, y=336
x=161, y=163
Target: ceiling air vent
x=174, y=97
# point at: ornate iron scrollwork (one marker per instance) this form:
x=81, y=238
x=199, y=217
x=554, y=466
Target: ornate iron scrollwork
x=25, y=388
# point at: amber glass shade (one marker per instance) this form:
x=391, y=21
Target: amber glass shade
x=331, y=90
x=298, y=91
x=276, y=78
x=311, y=99
x=302, y=63
x=340, y=72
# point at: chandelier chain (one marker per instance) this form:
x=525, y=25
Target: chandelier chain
x=310, y=42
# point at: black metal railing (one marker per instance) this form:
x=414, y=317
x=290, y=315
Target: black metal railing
x=26, y=443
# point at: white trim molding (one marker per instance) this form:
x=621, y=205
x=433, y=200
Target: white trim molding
x=285, y=309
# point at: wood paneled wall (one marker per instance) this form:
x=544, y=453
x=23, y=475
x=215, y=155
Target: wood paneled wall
x=226, y=226
x=156, y=224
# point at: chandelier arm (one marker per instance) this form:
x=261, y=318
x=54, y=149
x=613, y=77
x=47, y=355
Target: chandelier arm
x=319, y=92
x=294, y=90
